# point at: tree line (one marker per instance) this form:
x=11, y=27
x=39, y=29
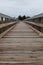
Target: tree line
x=23, y=17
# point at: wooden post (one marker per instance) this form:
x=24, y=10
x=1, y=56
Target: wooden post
x=42, y=24
x=2, y=19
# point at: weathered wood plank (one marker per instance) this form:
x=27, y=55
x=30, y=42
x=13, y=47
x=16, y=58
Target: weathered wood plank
x=21, y=46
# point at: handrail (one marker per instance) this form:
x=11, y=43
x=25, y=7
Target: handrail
x=2, y=34
x=36, y=27
x=4, y=27
x=5, y=24
x=7, y=28
x=37, y=24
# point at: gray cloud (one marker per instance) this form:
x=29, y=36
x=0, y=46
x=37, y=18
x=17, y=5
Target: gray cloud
x=21, y=7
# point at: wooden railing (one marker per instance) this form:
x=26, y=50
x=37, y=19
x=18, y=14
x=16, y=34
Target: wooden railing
x=4, y=28
x=38, y=27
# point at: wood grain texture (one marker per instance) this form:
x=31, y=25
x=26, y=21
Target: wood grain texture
x=21, y=46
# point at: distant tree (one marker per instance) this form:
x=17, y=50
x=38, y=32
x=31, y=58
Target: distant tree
x=24, y=17
x=21, y=17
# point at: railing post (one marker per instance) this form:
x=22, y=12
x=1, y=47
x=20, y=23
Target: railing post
x=42, y=23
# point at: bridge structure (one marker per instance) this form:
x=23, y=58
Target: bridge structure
x=20, y=44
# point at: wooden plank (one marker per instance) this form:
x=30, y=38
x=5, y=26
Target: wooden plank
x=21, y=46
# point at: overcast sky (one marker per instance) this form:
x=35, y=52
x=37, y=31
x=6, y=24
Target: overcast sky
x=21, y=7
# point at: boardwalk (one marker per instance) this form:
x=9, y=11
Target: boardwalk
x=21, y=46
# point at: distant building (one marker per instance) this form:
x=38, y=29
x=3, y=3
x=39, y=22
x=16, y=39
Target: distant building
x=5, y=18
x=37, y=18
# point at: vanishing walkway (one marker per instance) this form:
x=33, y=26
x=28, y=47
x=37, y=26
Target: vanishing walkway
x=21, y=46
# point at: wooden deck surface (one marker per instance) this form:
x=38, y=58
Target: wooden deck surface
x=21, y=46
